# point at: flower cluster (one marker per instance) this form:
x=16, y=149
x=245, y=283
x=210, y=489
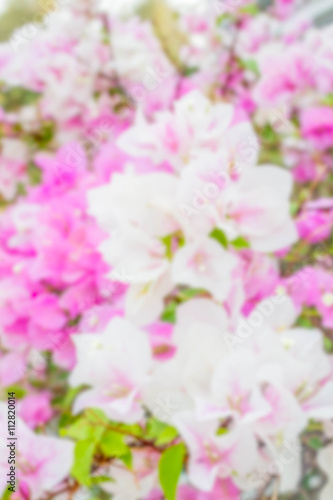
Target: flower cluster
x=166, y=290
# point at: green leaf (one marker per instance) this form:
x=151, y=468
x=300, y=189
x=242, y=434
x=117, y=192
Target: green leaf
x=328, y=345
x=112, y=444
x=132, y=429
x=311, y=478
x=100, y=479
x=170, y=467
x=42, y=137
x=160, y=432
x=127, y=459
x=167, y=240
x=268, y=135
x=117, y=91
x=222, y=431
x=95, y=416
x=19, y=391
x=313, y=425
x=294, y=208
x=6, y=495
x=250, y=65
x=82, y=430
x=71, y=394
x=154, y=428
x=226, y=17
x=190, y=70
x=240, y=243
x=15, y=97
x=327, y=100
x=83, y=458
x=166, y=436
x=304, y=322
x=34, y=173
x=79, y=430
x=252, y=9
x=169, y=314
x=315, y=443
x=219, y=236
x=190, y=293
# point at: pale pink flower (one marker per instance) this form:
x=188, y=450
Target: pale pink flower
x=317, y=126
x=195, y=123
x=213, y=455
x=42, y=462
x=35, y=409
x=204, y=264
x=137, y=482
x=116, y=364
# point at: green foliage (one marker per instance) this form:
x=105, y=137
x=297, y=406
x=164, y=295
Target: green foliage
x=315, y=443
x=190, y=293
x=328, y=345
x=112, y=444
x=96, y=416
x=327, y=100
x=14, y=98
x=251, y=10
x=304, y=322
x=312, y=476
x=6, y=495
x=167, y=436
x=17, y=389
x=169, y=313
x=313, y=425
x=83, y=459
x=240, y=243
x=294, y=208
x=222, y=431
x=83, y=430
x=190, y=70
x=95, y=435
x=167, y=240
x=170, y=467
x=224, y=18
x=250, y=65
x=42, y=138
x=34, y=174
x=159, y=432
x=67, y=401
x=268, y=135
x=100, y=479
x=219, y=236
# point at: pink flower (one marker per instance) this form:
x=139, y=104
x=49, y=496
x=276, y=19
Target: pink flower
x=12, y=367
x=66, y=167
x=314, y=226
x=224, y=489
x=35, y=409
x=317, y=126
x=214, y=455
x=42, y=462
x=13, y=163
x=313, y=287
x=286, y=73
x=145, y=71
x=161, y=340
x=284, y=8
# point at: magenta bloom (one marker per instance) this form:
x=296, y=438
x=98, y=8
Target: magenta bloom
x=317, y=126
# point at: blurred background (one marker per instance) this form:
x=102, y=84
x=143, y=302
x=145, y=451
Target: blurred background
x=15, y=13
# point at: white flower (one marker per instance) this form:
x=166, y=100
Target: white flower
x=116, y=364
